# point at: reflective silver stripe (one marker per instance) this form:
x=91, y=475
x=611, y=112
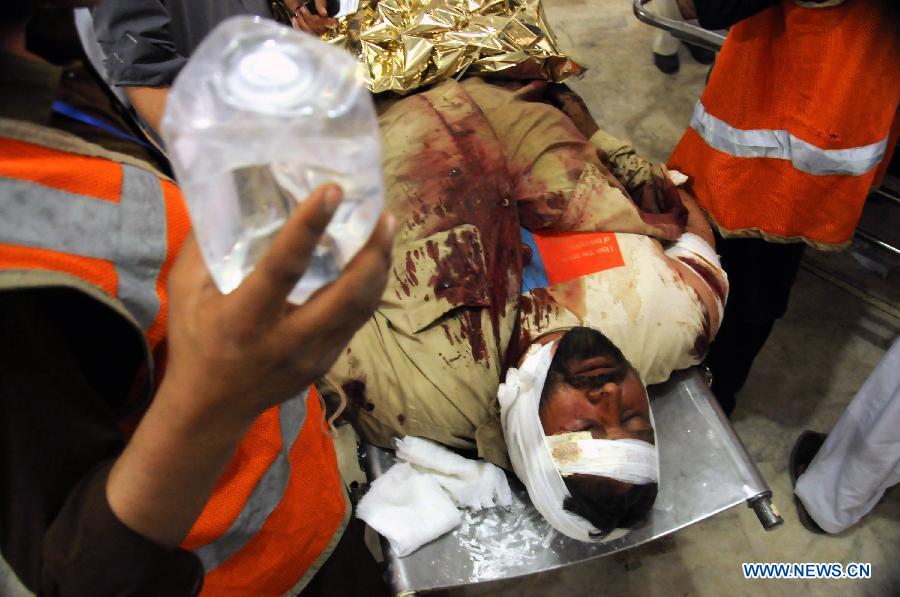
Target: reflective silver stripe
x=142, y=243
x=130, y=234
x=765, y=143
x=266, y=495
x=33, y=215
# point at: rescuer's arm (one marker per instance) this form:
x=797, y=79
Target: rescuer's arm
x=140, y=53
x=232, y=357
x=136, y=40
x=84, y=512
x=149, y=103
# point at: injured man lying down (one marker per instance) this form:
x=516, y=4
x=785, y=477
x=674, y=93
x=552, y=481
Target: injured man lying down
x=542, y=275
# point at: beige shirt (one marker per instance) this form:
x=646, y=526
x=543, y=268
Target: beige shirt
x=465, y=165
x=644, y=307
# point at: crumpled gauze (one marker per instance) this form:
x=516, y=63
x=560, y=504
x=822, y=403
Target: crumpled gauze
x=475, y=485
x=409, y=508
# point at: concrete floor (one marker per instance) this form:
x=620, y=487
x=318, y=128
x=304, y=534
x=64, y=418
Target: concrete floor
x=816, y=359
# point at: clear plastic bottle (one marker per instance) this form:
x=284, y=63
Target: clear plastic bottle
x=260, y=116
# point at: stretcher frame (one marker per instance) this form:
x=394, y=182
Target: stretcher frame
x=682, y=30
x=704, y=469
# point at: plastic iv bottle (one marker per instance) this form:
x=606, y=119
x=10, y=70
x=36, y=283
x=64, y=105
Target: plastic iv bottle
x=260, y=116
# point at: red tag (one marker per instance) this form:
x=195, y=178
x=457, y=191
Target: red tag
x=576, y=254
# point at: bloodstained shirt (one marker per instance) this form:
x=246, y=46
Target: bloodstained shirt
x=467, y=165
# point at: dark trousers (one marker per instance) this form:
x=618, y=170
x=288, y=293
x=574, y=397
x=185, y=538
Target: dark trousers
x=351, y=571
x=760, y=275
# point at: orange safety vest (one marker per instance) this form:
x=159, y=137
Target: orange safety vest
x=77, y=216
x=789, y=133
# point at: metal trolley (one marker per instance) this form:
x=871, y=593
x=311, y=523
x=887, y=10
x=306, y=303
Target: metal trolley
x=704, y=470
x=682, y=30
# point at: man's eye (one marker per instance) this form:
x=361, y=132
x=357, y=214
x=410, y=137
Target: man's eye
x=634, y=422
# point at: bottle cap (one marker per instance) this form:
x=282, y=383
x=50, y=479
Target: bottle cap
x=269, y=77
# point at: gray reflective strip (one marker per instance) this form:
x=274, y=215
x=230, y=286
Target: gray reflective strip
x=131, y=234
x=33, y=215
x=765, y=143
x=266, y=495
x=142, y=243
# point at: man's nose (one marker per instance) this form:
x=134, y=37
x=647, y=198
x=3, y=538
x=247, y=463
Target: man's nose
x=608, y=402
x=608, y=392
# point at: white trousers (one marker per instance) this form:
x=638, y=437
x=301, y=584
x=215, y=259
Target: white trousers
x=665, y=43
x=860, y=458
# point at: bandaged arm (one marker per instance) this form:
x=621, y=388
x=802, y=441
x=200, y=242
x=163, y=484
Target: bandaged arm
x=696, y=261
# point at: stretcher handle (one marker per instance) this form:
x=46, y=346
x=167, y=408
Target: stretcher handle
x=686, y=32
x=766, y=511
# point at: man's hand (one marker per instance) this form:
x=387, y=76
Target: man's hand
x=697, y=221
x=305, y=20
x=263, y=349
x=657, y=193
x=230, y=358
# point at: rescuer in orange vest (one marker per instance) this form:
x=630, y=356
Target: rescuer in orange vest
x=785, y=143
x=156, y=437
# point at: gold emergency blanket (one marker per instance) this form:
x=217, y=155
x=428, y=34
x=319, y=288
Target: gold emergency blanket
x=405, y=44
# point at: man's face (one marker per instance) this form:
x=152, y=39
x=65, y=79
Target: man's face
x=604, y=395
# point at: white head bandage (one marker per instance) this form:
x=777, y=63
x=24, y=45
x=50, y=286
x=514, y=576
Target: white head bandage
x=529, y=452
x=627, y=460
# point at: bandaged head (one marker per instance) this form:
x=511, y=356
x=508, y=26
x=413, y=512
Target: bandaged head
x=625, y=460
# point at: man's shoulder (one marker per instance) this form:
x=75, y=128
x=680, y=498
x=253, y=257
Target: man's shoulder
x=57, y=140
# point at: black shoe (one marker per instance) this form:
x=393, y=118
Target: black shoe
x=805, y=449
x=701, y=55
x=666, y=63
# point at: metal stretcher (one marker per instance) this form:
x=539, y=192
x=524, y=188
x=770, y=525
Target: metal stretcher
x=704, y=469
x=682, y=30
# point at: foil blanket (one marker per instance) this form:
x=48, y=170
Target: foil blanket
x=406, y=44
